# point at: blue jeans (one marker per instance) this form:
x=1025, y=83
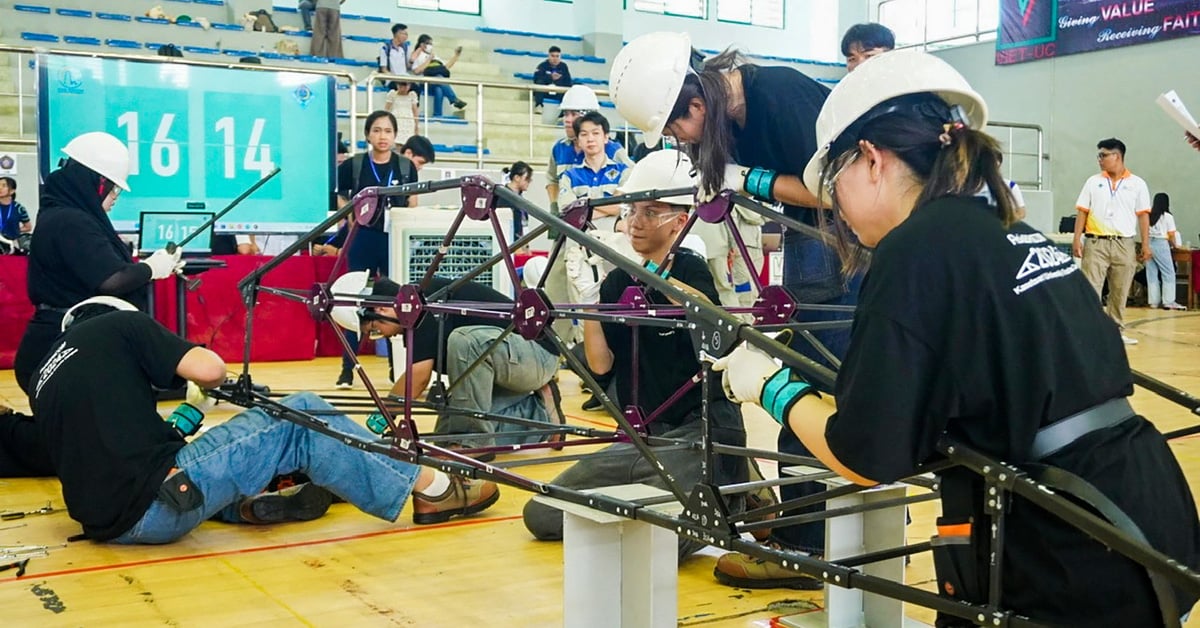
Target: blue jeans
x=238, y=458
x=812, y=271
x=437, y=93
x=505, y=383
x=306, y=12
x=1160, y=265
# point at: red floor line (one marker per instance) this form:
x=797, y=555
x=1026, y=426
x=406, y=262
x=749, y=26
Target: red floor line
x=609, y=424
x=253, y=550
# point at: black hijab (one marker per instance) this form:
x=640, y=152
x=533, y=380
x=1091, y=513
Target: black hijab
x=75, y=187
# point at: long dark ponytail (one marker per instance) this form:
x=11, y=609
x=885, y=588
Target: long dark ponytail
x=708, y=83
x=1160, y=206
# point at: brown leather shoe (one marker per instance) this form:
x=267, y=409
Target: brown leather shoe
x=742, y=570
x=463, y=497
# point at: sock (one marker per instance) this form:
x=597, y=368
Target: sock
x=439, y=485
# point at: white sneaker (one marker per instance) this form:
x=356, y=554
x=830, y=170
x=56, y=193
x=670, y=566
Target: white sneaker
x=1173, y=306
x=1127, y=340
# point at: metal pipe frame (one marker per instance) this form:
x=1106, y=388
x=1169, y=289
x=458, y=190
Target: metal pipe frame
x=705, y=517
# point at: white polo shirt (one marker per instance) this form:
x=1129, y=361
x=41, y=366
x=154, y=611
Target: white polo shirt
x=393, y=58
x=1113, y=205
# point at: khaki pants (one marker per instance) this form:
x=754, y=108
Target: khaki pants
x=327, y=33
x=1116, y=260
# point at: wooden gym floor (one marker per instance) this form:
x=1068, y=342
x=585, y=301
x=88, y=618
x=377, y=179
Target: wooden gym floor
x=350, y=569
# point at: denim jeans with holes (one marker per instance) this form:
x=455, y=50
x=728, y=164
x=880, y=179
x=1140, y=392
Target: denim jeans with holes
x=238, y=458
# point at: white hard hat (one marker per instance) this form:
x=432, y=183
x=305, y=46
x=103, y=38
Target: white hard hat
x=579, y=98
x=113, y=302
x=103, y=154
x=646, y=78
x=354, y=283
x=534, y=268
x=665, y=169
x=882, y=78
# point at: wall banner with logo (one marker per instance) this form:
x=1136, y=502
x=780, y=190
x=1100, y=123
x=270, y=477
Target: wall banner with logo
x=1040, y=29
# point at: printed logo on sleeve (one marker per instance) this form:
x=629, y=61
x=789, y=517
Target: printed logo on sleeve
x=1042, y=263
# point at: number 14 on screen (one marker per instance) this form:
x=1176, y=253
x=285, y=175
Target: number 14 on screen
x=163, y=150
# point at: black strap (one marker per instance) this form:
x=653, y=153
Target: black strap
x=1079, y=488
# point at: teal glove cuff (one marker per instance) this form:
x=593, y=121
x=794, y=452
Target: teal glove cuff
x=760, y=183
x=377, y=424
x=781, y=392
x=186, y=419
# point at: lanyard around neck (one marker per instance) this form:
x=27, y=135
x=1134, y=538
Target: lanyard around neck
x=386, y=178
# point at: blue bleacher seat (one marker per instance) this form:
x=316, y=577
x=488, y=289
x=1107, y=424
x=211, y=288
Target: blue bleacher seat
x=189, y=24
x=528, y=76
x=228, y=27
x=31, y=8
x=368, y=39
x=215, y=3
x=346, y=87
x=84, y=41
x=376, y=18
x=151, y=20
x=116, y=17
x=285, y=10
x=828, y=81
x=440, y=148
x=31, y=36
x=272, y=55
x=351, y=16
x=340, y=61
x=123, y=43
x=310, y=59
x=73, y=13
x=343, y=113
x=233, y=52
x=588, y=81
x=180, y=0
x=300, y=34
x=201, y=50
x=501, y=31
x=154, y=45
x=607, y=103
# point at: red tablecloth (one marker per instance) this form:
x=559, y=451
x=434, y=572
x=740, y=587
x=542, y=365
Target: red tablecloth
x=15, y=308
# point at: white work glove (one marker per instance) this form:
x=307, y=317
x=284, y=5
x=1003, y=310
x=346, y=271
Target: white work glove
x=163, y=264
x=198, y=398
x=752, y=376
x=746, y=369
x=733, y=179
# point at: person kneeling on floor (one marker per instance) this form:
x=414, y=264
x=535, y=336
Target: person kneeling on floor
x=128, y=476
x=516, y=379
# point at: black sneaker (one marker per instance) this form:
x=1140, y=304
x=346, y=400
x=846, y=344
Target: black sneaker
x=592, y=404
x=302, y=502
x=346, y=379
x=459, y=104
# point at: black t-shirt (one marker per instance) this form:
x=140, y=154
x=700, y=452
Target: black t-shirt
x=666, y=357
x=71, y=256
x=398, y=171
x=98, y=415
x=782, y=105
x=988, y=334
x=426, y=336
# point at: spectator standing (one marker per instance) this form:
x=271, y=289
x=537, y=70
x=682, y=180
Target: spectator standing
x=402, y=102
x=327, y=29
x=517, y=177
x=1113, y=207
x=552, y=71
x=1163, y=238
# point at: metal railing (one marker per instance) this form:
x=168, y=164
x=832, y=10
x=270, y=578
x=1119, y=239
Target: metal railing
x=30, y=139
x=480, y=124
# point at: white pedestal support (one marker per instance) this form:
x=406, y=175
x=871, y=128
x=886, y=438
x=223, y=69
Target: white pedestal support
x=617, y=572
x=852, y=535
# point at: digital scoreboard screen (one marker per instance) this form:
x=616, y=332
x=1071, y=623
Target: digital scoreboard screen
x=198, y=136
